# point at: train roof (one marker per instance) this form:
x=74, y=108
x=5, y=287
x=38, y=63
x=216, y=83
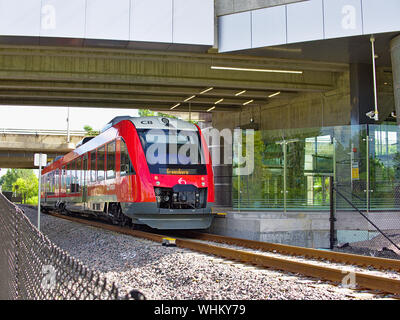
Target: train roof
x=153, y=123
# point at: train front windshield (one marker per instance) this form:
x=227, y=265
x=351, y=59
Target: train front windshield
x=173, y=151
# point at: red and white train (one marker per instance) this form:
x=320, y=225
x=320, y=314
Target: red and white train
x=146, y=170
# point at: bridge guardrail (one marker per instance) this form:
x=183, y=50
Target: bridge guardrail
x=42, y=132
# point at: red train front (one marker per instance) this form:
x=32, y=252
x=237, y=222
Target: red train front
x=151, y=170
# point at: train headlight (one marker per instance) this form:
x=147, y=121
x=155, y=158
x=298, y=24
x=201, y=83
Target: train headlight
x=158, y=183
x=203, y=184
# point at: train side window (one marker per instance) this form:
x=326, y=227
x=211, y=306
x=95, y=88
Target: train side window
x=48, y=183
x=78, y=174
x=100, y=163
x=73, y=176
x=48, y=187
x=126, y=163
x=52, y=182
x=85, y=176
x=63, y=178
x=43, y=186
x=68, y=178
x=111, y=160
x=57, y=191
x=93, y=166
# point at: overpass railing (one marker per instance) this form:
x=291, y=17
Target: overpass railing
x=5, y=131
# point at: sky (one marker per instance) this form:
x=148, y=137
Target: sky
x=55, y=118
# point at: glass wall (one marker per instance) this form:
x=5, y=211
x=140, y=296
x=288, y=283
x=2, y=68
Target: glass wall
x=292, y=168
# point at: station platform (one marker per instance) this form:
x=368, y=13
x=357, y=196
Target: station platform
x=307, y=229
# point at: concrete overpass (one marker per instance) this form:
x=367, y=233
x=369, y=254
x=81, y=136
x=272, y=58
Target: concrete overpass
x=59, y=76
x=17, y=147
x=126, y=54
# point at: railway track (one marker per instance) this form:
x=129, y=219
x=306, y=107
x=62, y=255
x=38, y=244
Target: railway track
x=280, y=259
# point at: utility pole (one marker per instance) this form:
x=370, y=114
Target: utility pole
x=39, y=160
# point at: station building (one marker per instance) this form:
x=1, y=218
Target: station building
x=316, y=83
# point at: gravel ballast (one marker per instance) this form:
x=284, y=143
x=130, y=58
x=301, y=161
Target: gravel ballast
x=164, y=273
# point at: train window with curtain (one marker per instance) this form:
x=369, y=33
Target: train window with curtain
x=126, y=164
x=111, y=160
x=100, y=163
x=93, y=166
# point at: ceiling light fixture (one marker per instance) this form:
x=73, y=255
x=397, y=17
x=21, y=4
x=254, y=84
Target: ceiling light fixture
x=212, y=108
x=248, y=102
x=177, y=105
x=209, y=89
x=256, y=70
x=190, y=98
x=239, y=93
x=220, y=100
x=274, y=94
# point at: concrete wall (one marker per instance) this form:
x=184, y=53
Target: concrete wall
x=305, y=230
x=223, y=7
x=306, y=110
x=309, y=110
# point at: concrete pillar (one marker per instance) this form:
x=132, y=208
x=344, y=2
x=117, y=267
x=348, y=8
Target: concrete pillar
x=361, y=93
x=395, y=49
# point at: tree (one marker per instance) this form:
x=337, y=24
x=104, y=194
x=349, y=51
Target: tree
x=89, y=131
x=23, y=182
x=12, y=175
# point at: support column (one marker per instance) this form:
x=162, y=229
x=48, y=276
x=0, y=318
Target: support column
x=362, y=93
x=395, y=49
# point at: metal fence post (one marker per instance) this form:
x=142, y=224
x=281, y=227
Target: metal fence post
x=332, y=219
x=367, y=173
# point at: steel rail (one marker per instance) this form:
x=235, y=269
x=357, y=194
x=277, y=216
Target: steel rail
x=362, y=280
x=333, y=256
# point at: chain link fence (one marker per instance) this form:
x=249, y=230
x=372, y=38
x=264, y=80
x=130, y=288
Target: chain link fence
x=33, y=268
x=363, y=228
